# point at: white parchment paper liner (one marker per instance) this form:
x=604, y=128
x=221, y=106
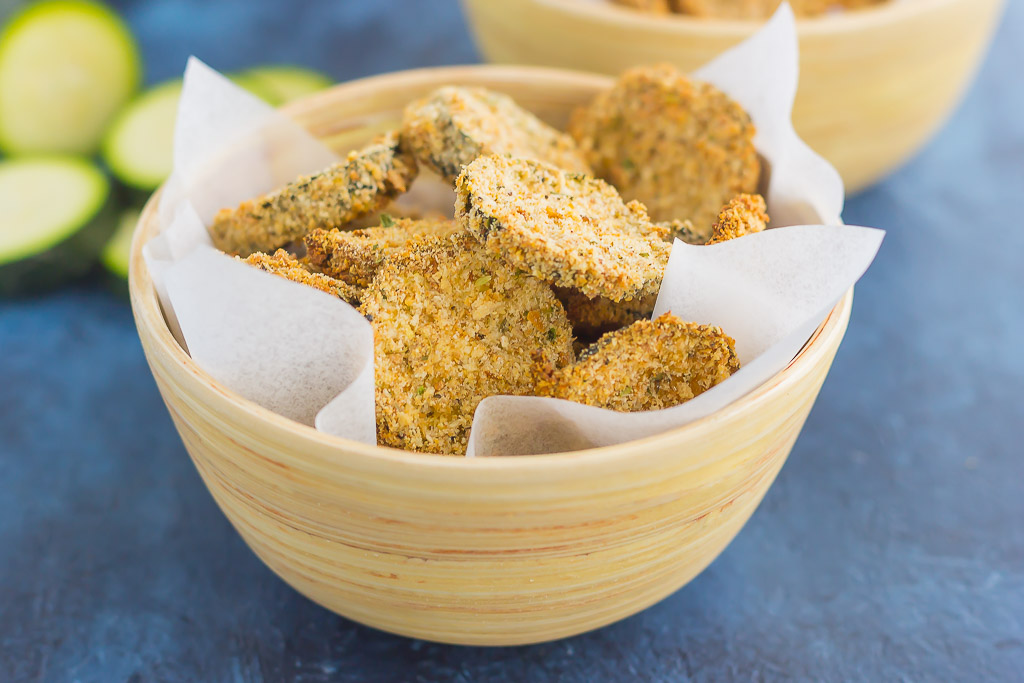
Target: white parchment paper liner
x=309, y=356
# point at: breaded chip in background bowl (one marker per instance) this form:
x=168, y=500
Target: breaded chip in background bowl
x=875, y=84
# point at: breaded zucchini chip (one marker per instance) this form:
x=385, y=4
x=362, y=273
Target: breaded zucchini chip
x=355, y=255
x=365, y=181
x=744, y=215
x=452, y=325
x=650, y=365
x=681, y=230
x=591, y=318
x=566, y=228
x=653, y=6
x=681, y=147
x=746, y=9
x=283, y=264
x=762, y=9
x=454, y=125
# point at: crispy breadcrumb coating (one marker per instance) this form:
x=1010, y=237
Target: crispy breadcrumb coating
x=454, y=125
x=681, y=147
x=365, y=181
x=355, y=255
x=743, y=215
x=650, y=365
x=591, y=318
x=283, y=264
x=762, y=9
x=392, y=211
x=653, y=6
x=681, y=230
x=452, y=325
x=566, y=228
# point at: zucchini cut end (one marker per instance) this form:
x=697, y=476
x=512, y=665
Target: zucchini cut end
x=88, y=61
x=55, y=217
x=117, y=253
x=282, y=84
x=139, y=147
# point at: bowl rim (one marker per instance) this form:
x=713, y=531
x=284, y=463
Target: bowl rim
x=149, y=315
x=606, y=12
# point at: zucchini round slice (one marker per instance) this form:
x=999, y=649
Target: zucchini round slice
x=66, y=68
x=116, y=254
x=139, y=147
x=56, y=214
x=254, y=86
x=281, y=84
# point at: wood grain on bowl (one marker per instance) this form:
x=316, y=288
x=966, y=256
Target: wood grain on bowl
x=485, y=551
x=875, y=84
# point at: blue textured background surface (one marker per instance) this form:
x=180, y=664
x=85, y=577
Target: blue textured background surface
x=890, y=548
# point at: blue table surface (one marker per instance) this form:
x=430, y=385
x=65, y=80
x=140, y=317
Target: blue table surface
x=891, y=546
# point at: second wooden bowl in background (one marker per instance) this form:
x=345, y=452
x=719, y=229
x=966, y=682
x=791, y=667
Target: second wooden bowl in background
x=875, y=85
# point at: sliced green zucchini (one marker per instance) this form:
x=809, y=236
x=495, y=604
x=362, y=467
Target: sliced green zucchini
x=286, y=83
x=139, y=145
x=255, y=86
x=66, y=68
x=56, y=215
x=117, y=254
x=117, y=251
x=138, y=148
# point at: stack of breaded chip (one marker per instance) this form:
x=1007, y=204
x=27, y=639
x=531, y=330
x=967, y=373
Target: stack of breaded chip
x=558, y=240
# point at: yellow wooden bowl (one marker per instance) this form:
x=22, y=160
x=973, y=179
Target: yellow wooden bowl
x=875, y=85
x=487, y=551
